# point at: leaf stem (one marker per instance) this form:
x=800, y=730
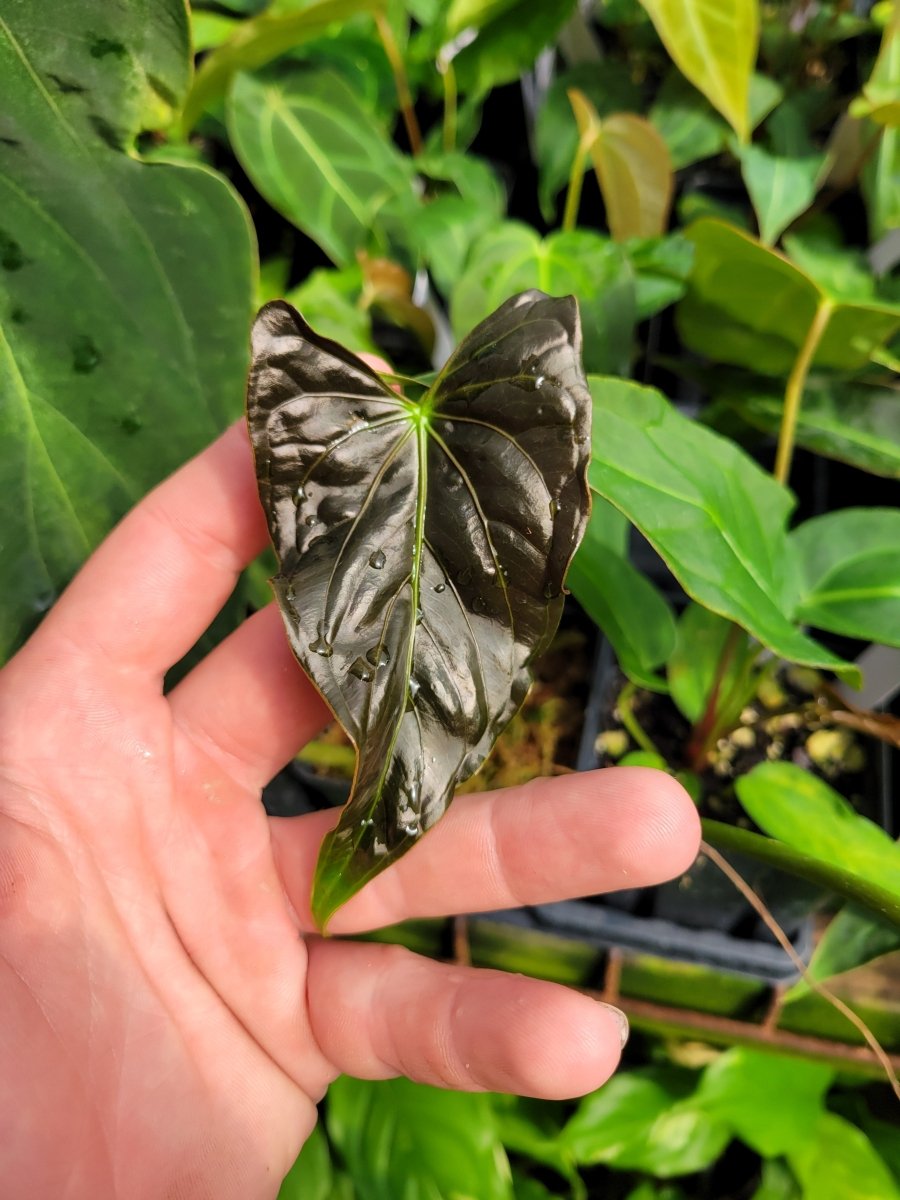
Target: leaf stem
x=448, y=80
x=871, y=895
x=576, y=178
x=401, y=83
x=703, y=731
x=630, y=721
x=793, y=394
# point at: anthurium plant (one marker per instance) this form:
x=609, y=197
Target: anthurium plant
x=717, y=184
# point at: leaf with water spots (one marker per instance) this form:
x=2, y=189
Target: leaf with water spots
x=423, y=545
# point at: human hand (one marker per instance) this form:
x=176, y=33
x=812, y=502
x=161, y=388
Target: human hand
x=168, y=1020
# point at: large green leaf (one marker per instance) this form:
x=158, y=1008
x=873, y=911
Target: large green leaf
x=118, y=356
x=840, y=1163
x=257, y=42
x=798, y=808
x=771, y=1101
x=402, y=1139
x=508, y=45
x=329, y=300
x=716, y=518
x=422, y=550
x=850, y=420
x=662, y=267
x=316, y=154
x=623, y=603
x=609, y=87
x=853, y=938
x=513, y=257
x=748, y=305
x=713, y=43
x=638, y=1122
x=850, y=570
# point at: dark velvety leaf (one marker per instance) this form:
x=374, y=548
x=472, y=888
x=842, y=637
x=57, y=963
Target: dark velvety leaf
x=423, y=548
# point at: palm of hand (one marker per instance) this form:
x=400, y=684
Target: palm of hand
x=168, y=1025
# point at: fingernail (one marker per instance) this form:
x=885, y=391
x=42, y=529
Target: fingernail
x=621, y=1020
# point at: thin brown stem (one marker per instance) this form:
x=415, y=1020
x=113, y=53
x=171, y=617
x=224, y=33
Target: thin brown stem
x=398, y=69
x=784, y=942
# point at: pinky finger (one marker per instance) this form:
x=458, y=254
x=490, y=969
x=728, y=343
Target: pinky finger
x=380, y=1011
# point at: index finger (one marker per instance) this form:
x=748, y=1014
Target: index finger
x=154, y=585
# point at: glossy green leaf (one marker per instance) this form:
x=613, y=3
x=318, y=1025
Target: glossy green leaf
x=772, y=1102
x=311, y=1177
x=402, y=1139
x=609, y=87
x=624, y=604
x=636, y=1122
x=514, y=257
x=118, y=357
x=850, y=572
x=747, y=305
x=508, y=45
x=840, y=271
x=716, y=518
x=840, y=1163
x=713, y=43
x=853, y=938
x=849, y=420
x=780, y=188
x=257, y=42
x=329, y=301
x=317, y=155
x=881, y=185
x=661, y=267
x=798, y=808
x=700, y=642
x=422, y=549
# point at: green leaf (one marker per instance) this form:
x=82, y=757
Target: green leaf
x=713, y=43
x=772, y=1102
x=257, y=42
x=840, y=271
x=402, y=1139
x=777, y=1183
x=849, y=420
x=780, y=188
x=508, y=45
x=662, y=267
x=636, y=1122
x=852, y=939
x=514, y=257
x=633, y=168
x=311, y=1177
x=609, y=87
x=850, y=570
x=840, y=1163
x=472, y=178
x=881, y=185
x=422, y=550
x=211, y=29
x=531, y=1128
x=689, y=126
x=747, y=305
x=317, y=155
x=798, y=808
x=700, y=643
x=329, y=300
x=624, y=604
x=716, y=518
x=118, y=357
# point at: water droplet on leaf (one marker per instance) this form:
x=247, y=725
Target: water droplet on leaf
x=440, y=587
x=414, y=688
x=377, y=559
x=362, y=670
x=378, y=656
x=85, y=355
x=311, y=520
x=322, y=645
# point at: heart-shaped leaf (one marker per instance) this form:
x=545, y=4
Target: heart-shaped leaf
x=423, y=548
